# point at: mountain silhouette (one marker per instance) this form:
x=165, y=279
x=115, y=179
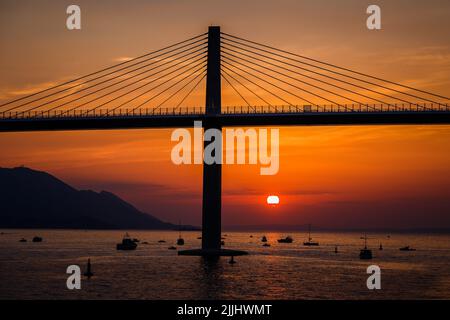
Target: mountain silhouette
x=36, y=199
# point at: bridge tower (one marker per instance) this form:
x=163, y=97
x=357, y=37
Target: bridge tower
x=212, y=173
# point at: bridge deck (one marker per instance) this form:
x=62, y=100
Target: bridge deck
x=136, y=121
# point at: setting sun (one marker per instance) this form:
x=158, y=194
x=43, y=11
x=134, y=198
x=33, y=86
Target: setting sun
x=273, y=200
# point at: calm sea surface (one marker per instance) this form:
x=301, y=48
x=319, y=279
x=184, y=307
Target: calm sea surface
x=283, y=271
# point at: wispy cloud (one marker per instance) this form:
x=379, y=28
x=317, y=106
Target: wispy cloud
x=122, y=59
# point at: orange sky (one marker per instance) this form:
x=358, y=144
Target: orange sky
x=330, y=176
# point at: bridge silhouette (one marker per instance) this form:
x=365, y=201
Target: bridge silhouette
x=276, y=87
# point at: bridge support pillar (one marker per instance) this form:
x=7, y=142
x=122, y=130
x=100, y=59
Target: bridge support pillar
x=212, y=173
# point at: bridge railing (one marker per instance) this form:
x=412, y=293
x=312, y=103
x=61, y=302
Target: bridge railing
x=227, y=110
x=423, y=107
x=102, y=113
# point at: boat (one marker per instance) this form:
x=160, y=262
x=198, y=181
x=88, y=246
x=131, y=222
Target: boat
x=37, y=239
x=127, y=243
x=23, y=240
x=336, y=249
x=180, y=240
x=264, y=239
x=266, y=245
x=162, y=241
x=381, y=247
x=407, y=248
x=365, y=253
x=172, y=248
x=199, y=238
x=232, y=260
x=89, y=272
x=288, y=239
x=222, y=243
x=310, y=242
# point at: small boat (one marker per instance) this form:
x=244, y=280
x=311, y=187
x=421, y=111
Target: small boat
x=180, y=240
x=37, y=239
x=251, y=236
x=145, y=242
x=23, y=240
x=232, y=260
x=266, y=245
x=162, y=241
x=199, y=238
x=89, y=272
x=365, y=253
x=336, y=249
x=407, y=248
x=288, y=239
x=172, y=248
x=127, y=243
x=222, y=243
x=264, y=239
x=381, y=247
x=310, y=242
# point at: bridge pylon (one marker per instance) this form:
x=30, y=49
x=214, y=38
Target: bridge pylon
x=212, y=173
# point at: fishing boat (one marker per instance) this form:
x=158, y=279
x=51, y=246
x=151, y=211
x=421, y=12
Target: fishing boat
x=310, y=242
x=180, y=240
x=23, y=240
x=88, y=272
x=264, y=239
x=266, y=245
x=288, y=239
x=127, y=243
x=365, y=253
x=407, y=248
x=37, y=239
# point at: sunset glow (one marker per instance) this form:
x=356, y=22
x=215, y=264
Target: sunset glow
x=273, y=200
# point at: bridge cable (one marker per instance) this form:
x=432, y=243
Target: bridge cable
x=170, y=87
x=190, y=91
x=133, y=90
x=290, y=84
x=296, y=72
x=180, y=89
x=280, y=88
x=349, y=83
x=254, y=93
x=338, y=67
x=104, y=69
x=147, y=91
x=116, y=83
x=259, y=86
x=231, y=85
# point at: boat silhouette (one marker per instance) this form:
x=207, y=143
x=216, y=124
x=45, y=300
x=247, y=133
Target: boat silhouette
x=310, y=242
x=407, y=248
x=89, y=272
x=288, y=239
x=127, y=243
x=365, y=253
x=264, y=239
x=37, y=239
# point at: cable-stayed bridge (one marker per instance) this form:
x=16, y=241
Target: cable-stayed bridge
x=273, y=87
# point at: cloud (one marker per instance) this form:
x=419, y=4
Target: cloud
x=122, y=59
